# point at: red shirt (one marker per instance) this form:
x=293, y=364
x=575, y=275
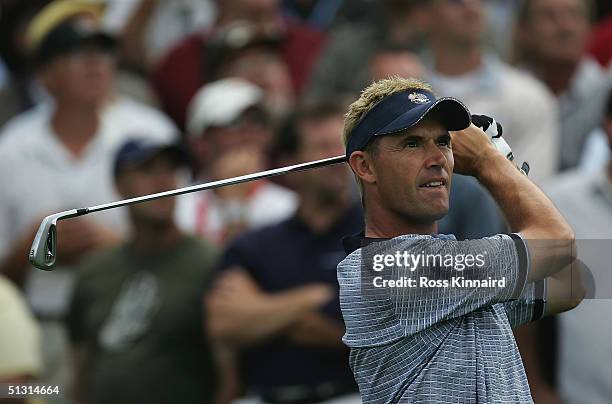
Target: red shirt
x=181, y=72
x=600, y=44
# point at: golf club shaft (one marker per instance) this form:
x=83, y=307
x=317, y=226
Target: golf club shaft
x=217, y=184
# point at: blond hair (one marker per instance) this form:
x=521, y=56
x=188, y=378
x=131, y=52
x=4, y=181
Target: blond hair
x=372, y=94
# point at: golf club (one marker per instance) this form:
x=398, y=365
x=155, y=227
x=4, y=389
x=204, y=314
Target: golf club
x=44, y=247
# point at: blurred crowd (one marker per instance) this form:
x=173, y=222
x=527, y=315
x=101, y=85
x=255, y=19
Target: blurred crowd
x=230, y=295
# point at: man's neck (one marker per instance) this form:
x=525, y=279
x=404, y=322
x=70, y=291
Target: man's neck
x=389, y=224
x=75, y=125
x=320, y=215
x=452, y=60
x=556, y=75
x=153, y=237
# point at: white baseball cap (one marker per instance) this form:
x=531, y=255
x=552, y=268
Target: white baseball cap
x=220, y=103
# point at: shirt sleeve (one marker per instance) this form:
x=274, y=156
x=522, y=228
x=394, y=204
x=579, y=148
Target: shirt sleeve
x=531, y=306
x=454, y=277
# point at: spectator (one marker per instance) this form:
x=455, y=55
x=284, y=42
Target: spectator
x=459, y=66
x=19, y=91
x=20, y=354
x=584, y=365
x=276, y=299
x=153, y=26
x=551, y=40
x=136, y=315
x=230, y=133
x=395, y=25
x=261, y=63
x=58, y=156
x=185, y=68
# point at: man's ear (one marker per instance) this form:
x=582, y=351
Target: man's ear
x=361, y=164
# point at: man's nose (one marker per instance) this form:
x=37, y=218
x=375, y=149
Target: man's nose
x=435, y=157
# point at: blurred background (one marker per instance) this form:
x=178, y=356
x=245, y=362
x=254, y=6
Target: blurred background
x=231, y=295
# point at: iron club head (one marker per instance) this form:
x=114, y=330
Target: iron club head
x=44, y=247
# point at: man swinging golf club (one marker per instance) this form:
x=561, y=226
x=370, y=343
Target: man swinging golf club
x=428, y=318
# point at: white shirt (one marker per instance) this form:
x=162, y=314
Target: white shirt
x=523, y=106
x=581, y=108
x=585, y=351
x=207, y=215
x=596, y=151
x=39, y=176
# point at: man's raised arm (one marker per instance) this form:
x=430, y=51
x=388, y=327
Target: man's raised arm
x=528, y=210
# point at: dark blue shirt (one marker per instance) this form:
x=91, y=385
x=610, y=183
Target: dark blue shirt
x=284, y=256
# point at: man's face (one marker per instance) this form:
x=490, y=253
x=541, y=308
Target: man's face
x=320, y=139
x=557, y=30
x=84, y=76
x=458, y=21
x=266, y=69
x=413, y=172
x=251, y=131
x=155, y=175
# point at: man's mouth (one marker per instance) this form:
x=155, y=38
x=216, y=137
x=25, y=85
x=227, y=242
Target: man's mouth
x=434, y=183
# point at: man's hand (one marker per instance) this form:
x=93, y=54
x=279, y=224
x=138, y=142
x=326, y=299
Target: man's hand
x=317, y=329
x=242, y=161
x=472, y=148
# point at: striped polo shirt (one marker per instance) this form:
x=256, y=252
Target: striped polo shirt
x=435, y=341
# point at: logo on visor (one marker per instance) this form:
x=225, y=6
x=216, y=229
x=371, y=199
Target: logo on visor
x=418, y=98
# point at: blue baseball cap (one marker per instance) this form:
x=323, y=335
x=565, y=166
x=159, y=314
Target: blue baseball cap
x=137, y=151
x=403, y=110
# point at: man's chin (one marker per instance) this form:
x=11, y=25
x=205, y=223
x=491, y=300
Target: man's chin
x=438, y=214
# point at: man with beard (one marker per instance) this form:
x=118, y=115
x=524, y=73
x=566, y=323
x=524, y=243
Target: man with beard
x=277, y=294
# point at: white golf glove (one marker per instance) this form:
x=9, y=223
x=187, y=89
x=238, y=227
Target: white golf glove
x=494, y=130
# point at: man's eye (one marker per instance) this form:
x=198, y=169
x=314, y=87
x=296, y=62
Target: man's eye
x=444, y=142
x=411, y=143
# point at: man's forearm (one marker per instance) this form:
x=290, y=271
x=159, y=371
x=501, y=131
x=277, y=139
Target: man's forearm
x=529, y=211
x=244, y=325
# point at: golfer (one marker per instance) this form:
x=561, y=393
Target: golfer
x=428, y=318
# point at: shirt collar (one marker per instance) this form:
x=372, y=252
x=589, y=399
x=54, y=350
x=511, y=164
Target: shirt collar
x=356, y=241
